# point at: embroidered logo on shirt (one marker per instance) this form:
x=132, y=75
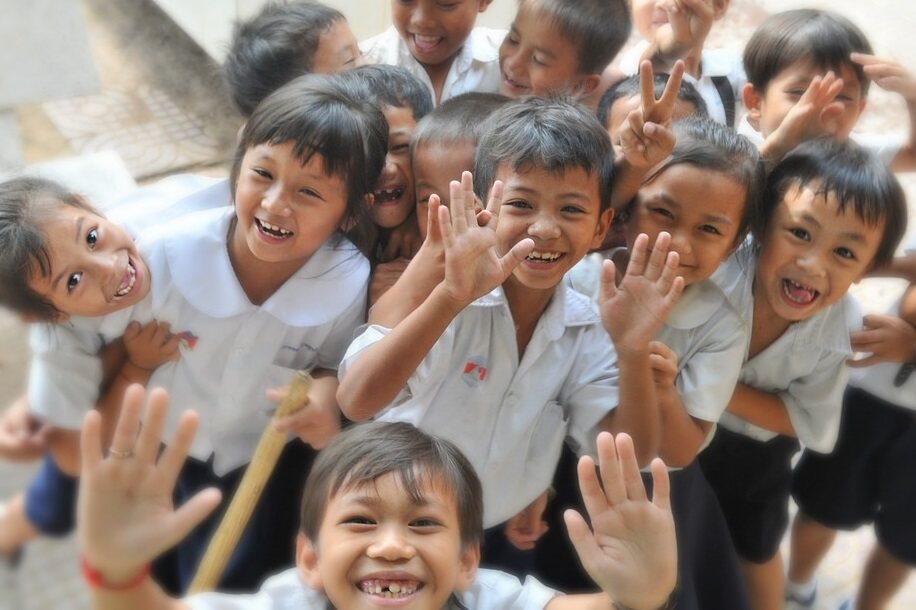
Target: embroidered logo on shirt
x=475, y=371
x=187, y=339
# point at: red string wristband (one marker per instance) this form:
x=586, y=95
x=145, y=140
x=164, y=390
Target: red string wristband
x=96, y=580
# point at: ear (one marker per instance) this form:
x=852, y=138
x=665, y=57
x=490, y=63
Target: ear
x=601, y=229
x=307, y=562
x=483, y=5
x=752, y=101
x=587, y=84
x=467, y=567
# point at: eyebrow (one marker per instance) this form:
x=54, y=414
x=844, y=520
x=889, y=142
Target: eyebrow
x=374, y=501
x=531, y=191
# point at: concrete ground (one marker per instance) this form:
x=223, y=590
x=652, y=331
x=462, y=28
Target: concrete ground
x=164, y=109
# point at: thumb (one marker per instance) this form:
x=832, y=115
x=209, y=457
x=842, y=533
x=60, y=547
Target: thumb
x=190, y=515
x=516, y=255
x=132, y=330
x=608, y=281
x=581, y=537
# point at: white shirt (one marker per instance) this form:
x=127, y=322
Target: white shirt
x=805, y=366
x=713, y=62
x=491, y=590
x=232, y=351
x=475, y=67
x=883, y=146
x=510, y=418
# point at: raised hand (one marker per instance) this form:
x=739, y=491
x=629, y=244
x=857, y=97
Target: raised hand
x=815, y=114
x=646, y=137
x=125, y=517
x=689, y=24
x=630, y=550
x=634, y=311
x=888, y=74
x=886, y=339
x=318, y=420
x=663, y=361
x=150, y=345
x=473, y=264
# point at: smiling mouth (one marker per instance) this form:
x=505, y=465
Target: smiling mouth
x=513, y=84
x=544, y=257
x=797, y=293
x=127, y=282
x=426, y=43
x=390, y=589
x=383, y=196
x=272, y=230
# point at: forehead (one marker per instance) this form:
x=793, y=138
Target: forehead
x=802, y=72
x=542, y=30
x=392, y=490
x=809, y=203
x=338, y=35
x=399, y=118
x=550, y=184
x=699, y=191
x=443, y=157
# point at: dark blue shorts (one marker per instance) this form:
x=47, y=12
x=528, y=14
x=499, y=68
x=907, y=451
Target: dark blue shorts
x=50, y=500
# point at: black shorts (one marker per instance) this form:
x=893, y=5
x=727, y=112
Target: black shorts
x=869, y=477
x=50, y=500
x=752, y=480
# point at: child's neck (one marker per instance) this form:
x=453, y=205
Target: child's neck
x=526, y=305
x=437, y=75
x=259, y=279
x=766, y=326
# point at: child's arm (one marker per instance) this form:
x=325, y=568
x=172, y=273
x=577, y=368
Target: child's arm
x=763, y=409
x=901, y=266
x=632, y=314
x=125, y=517
x=318, y=421
x=473, y=267
x=689, y=22
x=891, y=76
x=888, y=338
x=630, y=550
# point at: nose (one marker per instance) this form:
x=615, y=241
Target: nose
x=274, y=201
x=811, y=262
x=515, y=65
x=107, y=267
x=544, y=228
x=391, y=544
x=680, y=243
x=421, y=16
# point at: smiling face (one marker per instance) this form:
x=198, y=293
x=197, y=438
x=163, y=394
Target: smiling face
x=700, y=208
x=285, y=210
x=812, y=253
x=337, y=50
x=435, y=30
x=95, y=268
x=536, y=58
x=560, y=212
x=394, y=192
x=766, y=111
x=435, y=165
x=378, y=547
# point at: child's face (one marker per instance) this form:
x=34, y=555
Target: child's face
x=435, y=30
x=622, y=107
x=378, y=548
x=766, y=111
x=535, y=58
x=285, y=210
x=337, y=50
x=700, y=208
x=95, y=268
x=560, y=212
x=650, y=15
x=393, y=198
x=434, y=167
x=811, y=253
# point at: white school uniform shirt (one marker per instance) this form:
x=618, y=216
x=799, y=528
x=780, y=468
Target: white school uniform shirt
x=475, y=68
x=491, y=590
x=805, y=366
x=510, y=418
x=713, y=62
x=885, y=147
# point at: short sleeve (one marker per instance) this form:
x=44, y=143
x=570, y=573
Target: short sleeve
x=814, y=402
x=334, y=347
x=493, y=590
x=707, y=380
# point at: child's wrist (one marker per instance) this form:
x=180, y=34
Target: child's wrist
x=113, y=580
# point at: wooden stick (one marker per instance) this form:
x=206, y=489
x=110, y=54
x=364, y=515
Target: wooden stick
x=249, y=491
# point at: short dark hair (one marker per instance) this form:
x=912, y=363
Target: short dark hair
x=274, y=47
x=856, y=177
x=326, y=115
x=629, y=87
x=23, y=201
x=553, y=134
x=709, y=145
x=822, y=38
x=598, y=28
x=365, y=452
x=394, y=86
x=458, y=119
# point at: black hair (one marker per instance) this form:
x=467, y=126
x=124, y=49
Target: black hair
x=599, y=28
x=628, y=87
x=458, y=119
x=822, y=38
x=274, y=47
x=854, y=176
x=368, y=451
x=24, y=201
x=329, y=116
x=708, y=145
x=553, y=134
x=394, y=86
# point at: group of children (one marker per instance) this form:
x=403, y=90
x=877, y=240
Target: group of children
x=552, y=253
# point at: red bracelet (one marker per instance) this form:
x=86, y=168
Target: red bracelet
x=96, y=580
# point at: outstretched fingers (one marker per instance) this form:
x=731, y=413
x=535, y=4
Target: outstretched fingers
x=125, y=434
x=663, y=109
x=147, y=446
x=661, y=485
x=516, y=255
x=629, y=467
x=91, y=442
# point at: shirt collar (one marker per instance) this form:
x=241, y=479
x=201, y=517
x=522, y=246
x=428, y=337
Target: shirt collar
x=198, y=262
x=567, y=308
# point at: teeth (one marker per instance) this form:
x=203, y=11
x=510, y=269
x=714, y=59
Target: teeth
x=389, y=194
x=125, y=288
x=273, y=229
x=389, y=589
x=544, y=256
x=791, y=288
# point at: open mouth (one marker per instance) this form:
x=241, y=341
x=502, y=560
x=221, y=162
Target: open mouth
x=390, y=589
x=797, y=293
x=543, y=257
x=127, y=281
x=388, y=195
x=425, y=44
x=272, y=230
x=514, y=85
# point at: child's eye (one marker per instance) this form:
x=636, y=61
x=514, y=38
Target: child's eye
x=518, y=203
x=399, y=148
x=800, y=233
x=425, y=522
x=263, y=173
x=73, y=281
x=710, y=229
x=572, y=209
x=846, y=253
x=447, y=6
x=510, y=39
x=92, y=237
x=538, y=60
x=664, y=212
x=311, y=193
x=358, y=520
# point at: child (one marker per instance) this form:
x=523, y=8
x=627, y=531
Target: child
x=501, y=357
x=282, y=291
x=284, y=41
x=678, y=29
x=808, y=74
x=438, y=43
x=563, y=47
x=868, y=477
x=831, y=212
x=390, y=517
